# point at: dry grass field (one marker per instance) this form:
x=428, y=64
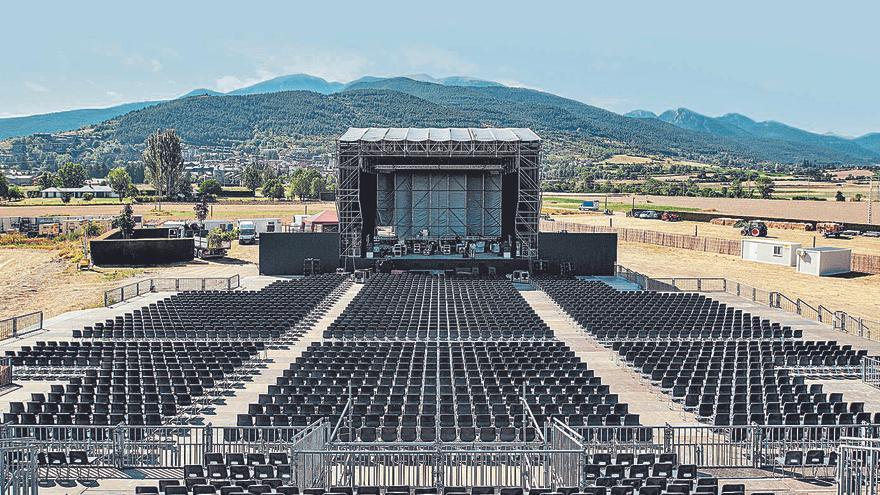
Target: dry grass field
x=38, y=279
x=858, y=295
x=227, y=210
x=832, y=211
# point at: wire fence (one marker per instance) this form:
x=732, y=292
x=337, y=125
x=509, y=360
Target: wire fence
x=18, y=325
x=139, y=288
x=839, y=320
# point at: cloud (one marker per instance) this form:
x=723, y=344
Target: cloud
x=229, y=83
x=436, y=60
x=36, y=87
x=113, y=94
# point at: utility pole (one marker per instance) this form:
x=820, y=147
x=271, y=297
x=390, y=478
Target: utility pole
x=870, y=197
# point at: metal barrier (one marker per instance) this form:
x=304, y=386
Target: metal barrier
x=19, y=474
x=858, y=461
x=871, y=371
x=126, y=292
x=140, y=447
x=839, y=320
x=19, y=325
x=317, y=460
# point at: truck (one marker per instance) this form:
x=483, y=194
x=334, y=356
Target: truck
x=249, y=230
x=589, y=205
x=207, y=246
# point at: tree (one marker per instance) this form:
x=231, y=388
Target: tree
x=764, y=185
x=125, y=222
x=251, y=176
x=4, y=186
x=201, y=209
x=163, y=162
x=273, y=188
x=15, y=192
x=317, y=185
x=210, y=187
x=119, y=181
x=46, y=180
x=72, y=175
x=302, y=181
x=839, y=196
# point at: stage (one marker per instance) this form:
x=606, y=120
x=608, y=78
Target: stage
x=408, y=262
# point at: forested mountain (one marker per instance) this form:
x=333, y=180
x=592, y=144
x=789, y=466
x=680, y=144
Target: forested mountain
x=870, y=141
x=404, y=102
x=74, y=119
x=738, y=126
x=64, y=121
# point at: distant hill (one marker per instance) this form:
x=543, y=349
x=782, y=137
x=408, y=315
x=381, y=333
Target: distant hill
x=74, y=119
x=64, y=121
x=870, y=141
x=741, y=127
x=641, y=114
x=688, y=119
x=294, y=82
x=406, y=102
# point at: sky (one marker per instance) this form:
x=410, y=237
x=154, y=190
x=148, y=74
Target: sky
x=815, y=65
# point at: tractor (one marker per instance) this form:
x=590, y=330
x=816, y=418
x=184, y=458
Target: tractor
x=753, y=228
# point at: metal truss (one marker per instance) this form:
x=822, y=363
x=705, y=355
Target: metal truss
x=520, y=157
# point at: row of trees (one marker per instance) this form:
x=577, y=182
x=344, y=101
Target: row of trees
x=761, y=186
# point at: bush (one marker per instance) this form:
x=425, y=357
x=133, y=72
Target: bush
x=210, y=187
x=14, y=192
x=88, y=197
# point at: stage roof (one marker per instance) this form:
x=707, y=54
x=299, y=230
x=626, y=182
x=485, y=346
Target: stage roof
x=440, y=135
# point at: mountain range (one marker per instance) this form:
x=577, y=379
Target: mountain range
x=738, y=126
x=303, y=105
x=74, y=119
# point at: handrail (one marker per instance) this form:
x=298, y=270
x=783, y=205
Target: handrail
x=21, y=324
x=141, y=287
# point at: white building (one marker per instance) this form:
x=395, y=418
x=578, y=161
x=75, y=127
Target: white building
x=78, y=192
x=824, y=260
x=770, y=251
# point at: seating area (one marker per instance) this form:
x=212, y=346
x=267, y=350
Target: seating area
x=737, y=380
x=410, y=391
x=612, y=315
x=137, y=383
x=745, y=382
x=220, y=315
x=149, y=367
x=419, y=307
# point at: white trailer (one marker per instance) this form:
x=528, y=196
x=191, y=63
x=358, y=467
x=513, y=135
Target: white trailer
x=249, y=230
x=770, y=251
x=824, y=260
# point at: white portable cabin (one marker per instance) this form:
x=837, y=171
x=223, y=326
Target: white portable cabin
x=824, y=260
x=770, y=251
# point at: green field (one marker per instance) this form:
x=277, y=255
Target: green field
x=564, y=202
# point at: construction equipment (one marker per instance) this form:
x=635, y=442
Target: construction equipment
x=753, y=228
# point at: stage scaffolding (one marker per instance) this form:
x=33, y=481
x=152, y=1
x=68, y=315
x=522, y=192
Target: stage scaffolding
x=371, y=150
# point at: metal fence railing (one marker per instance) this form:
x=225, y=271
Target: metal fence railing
x=871, y=371
x=18, y=325
x=839, y=320
x=858, y=462
x=139, y=288
x=19, y=474
x=320, y=460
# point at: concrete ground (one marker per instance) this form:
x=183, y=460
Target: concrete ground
x=653, y=406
